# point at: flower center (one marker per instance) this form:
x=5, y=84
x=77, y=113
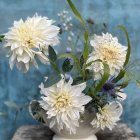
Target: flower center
x=62, y=101
x=108, y=86
x=105, y=115
x=27, y=36
x=109, y=53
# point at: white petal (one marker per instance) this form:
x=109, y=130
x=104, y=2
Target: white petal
x=115, y=108
x=121, y=96
x=23, y=58
x=42, y=58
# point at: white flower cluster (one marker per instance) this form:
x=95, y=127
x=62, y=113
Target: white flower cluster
x=66, y=22
x=63, y=102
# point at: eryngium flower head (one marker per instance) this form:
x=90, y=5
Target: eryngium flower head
x=108, y=116
x=26, y=39
x=110, y=89
x=64, y=103
x=109, y=50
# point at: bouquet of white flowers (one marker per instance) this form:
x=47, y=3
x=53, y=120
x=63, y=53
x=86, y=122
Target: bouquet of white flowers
x=86, y=91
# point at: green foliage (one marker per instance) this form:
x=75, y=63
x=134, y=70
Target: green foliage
x=122, y=72
x=128, y=44
x=1, y=38
x=86, y=46
x=104, y=78
x=120, y=76
x=77, y=80
x=82, y=61
x=124, y=82
x=53, y=58
x=52, y=54
x=86, y=34
x=73, y=57
x=76, y=13
x=90, y=63
x=67, y=66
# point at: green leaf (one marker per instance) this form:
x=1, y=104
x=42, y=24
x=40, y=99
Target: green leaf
x=52, y=79
x=120, y=76
x=89, y=74
x=52, y=54
x=77, y=80
x=86, y=47
x=66, y=67
x=12, y=105
x=1, y=38
x=86, y=34
x=122, y=72
x=128, y=44
x=53, y=58
x=81, y=61
x=90, y=63
x=76, y=13
x=104, y=78
x=74, y=57
x=124, y=83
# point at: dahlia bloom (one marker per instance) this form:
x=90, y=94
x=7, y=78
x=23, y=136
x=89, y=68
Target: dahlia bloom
x=108, y=116
x=63, y=104
x=109, y=50
x=27, y=39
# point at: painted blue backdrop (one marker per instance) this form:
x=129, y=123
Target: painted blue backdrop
x=21, y=88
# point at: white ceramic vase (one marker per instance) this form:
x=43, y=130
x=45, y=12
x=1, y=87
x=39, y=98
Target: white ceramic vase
x=84, y=132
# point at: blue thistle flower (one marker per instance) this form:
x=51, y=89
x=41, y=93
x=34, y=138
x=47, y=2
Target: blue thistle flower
x=110, y=88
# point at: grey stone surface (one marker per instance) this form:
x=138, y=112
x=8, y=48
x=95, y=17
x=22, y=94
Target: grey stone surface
x=40, y=132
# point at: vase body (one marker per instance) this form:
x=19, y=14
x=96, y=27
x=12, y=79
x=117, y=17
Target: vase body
x=91, y=137
x=85, y=131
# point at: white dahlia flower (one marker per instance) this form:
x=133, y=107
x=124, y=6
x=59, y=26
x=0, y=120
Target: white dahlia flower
x=26, y=39
x=109, y=50
x=64, y=103
x=108, y=116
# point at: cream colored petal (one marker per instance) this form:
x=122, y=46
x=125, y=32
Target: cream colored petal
x=25, y=58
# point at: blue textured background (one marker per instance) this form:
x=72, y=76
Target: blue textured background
x=21, y=88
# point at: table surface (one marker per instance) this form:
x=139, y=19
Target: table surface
x=41, y=132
